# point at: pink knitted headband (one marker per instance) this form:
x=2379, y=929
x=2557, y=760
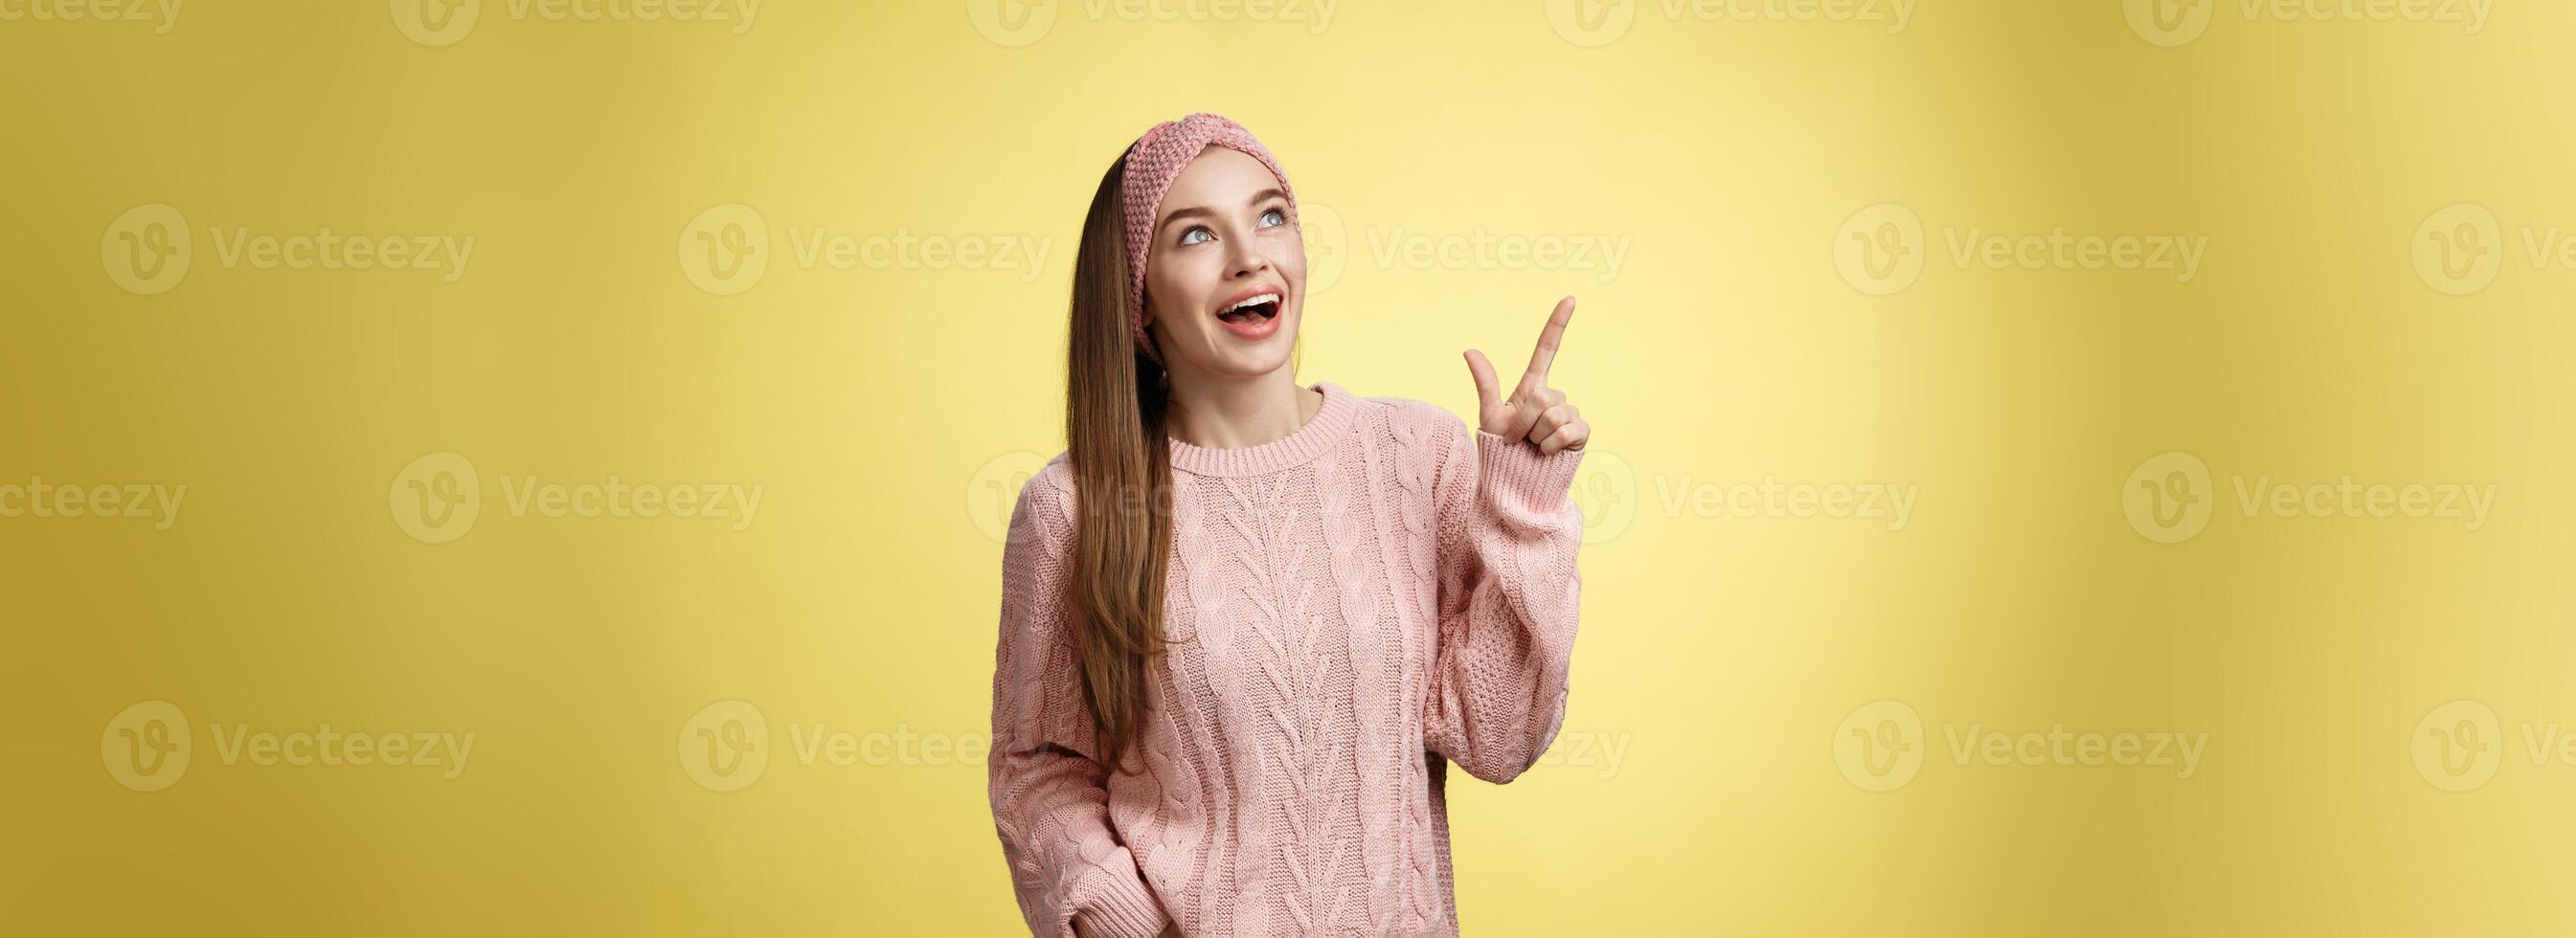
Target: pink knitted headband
x=1152, y=163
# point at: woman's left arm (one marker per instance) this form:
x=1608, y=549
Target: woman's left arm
x=1507, y=536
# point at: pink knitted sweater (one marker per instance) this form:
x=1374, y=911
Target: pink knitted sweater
x=1350, y=608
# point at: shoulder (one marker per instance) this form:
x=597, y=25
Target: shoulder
x=1053, y=479
x=1044, y=510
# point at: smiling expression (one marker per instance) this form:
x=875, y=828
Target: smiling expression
x=1225, y=281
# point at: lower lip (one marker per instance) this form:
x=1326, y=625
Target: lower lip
x=1256, y=329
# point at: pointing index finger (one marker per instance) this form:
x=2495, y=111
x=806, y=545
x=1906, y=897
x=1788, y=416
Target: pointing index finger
x=1548, y=339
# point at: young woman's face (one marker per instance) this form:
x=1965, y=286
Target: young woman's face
x=1225, y=236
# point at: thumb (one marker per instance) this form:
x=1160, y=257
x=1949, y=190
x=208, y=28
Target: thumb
x=1488, y=392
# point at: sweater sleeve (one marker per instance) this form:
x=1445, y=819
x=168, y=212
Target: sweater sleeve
x=1050, y=803
x=1508, y=589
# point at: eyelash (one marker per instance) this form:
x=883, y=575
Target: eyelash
x=1265, y=213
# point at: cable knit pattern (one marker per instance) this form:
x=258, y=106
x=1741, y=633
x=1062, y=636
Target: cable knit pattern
x=1349, y=609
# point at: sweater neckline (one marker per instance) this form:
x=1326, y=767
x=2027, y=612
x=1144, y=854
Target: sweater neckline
x=1295, y=449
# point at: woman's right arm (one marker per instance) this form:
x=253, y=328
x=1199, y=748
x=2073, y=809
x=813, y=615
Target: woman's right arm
x=1050, y=805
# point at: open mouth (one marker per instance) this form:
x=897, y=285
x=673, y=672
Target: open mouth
x=1251, y=310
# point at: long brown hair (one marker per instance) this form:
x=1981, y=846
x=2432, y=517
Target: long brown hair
x=1116, y=400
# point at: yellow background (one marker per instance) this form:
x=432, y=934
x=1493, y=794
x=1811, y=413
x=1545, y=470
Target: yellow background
x=888, y=413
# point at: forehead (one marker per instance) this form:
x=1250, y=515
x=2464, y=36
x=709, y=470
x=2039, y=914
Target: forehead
x=1219, y=177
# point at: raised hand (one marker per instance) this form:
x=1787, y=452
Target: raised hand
x=1534, y=412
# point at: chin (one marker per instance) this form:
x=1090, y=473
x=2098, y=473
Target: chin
x=1253, y=362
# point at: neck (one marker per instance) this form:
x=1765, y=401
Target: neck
x=1232, y=413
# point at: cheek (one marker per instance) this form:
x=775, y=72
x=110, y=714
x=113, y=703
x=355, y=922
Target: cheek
x=1290, y=258
x=1171, y=286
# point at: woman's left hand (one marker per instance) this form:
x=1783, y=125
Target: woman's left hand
x=1534, y=411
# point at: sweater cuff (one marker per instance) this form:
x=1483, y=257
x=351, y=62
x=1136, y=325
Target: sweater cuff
x=1530, y=483
x=1113, y=903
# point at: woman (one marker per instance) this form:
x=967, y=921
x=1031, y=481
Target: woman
x=1241, y=616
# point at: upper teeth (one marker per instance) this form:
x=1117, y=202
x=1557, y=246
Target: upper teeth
x=1248, y=301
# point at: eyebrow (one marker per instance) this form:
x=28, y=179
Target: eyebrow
x=1197, y=211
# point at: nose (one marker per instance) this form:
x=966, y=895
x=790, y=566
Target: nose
x=1244, y=260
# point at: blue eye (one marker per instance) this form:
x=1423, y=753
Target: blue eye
x=1274, y=213
x=1186, y=236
